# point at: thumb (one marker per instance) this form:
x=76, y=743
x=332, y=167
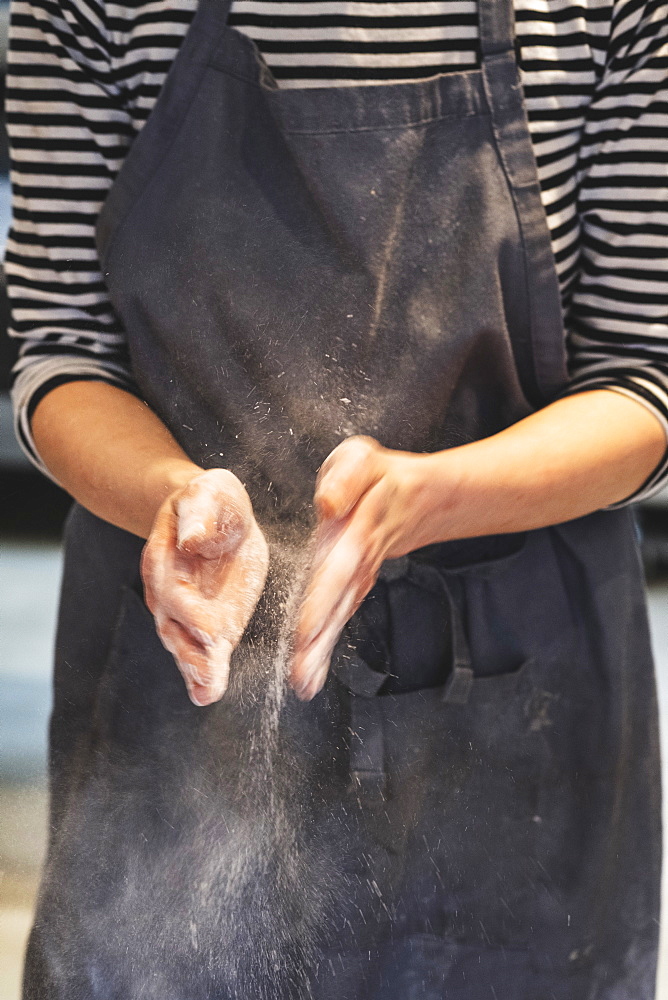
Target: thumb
x=212, y=514
x=346, y=475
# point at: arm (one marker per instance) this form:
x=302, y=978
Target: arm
x=618, y=317
x=58, y=72
x=205, y=560
x=603, y=446
x=110, y=452
x=577, y=455
x=581, y=453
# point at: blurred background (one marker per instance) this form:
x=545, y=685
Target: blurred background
x=31, y=516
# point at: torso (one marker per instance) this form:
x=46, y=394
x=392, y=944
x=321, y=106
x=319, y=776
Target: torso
x=315, y=44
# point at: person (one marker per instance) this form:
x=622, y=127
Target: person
x=231, y=270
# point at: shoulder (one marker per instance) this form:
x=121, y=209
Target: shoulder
x=102, y=23
x=147, y=19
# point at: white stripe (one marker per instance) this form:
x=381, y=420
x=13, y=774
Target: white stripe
x=360, y=34
x=647, y=311
x=368, y=60
x=621, y=283
x=629, y=240
x=317, y=8
x=617, y=325
x=145, y=50
x=36, y=251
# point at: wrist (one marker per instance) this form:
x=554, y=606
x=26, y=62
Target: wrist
x=475, y=490
x=433, y=490
x=164, y=478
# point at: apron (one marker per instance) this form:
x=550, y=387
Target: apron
x=470, y=809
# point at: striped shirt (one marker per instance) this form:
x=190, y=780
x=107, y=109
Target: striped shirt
x=84, y=75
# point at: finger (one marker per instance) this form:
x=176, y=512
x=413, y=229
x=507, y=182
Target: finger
x=204, y=617
x=218, y=658
x=171, y=588
x=219, y=605
x=244, y=578
x=347, y=555
x=331, y=580
x=156, y=555
x=330, y=601
x=341, y=578
x=213, y=514
x=204, y=670
x=346, y=475
x=310, y=669
x=184, y=647
x=213, y=604
x=312, y=657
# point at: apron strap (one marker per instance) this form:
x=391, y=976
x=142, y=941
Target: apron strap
x=460, y=679
x=356, y=675
x=539, y=352
x=221, y=7
x=367, y=733
x=366, y=758
x=365, y=683
x=367, y=748
x=496, y=26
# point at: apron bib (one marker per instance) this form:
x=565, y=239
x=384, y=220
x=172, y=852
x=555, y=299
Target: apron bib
x=471, y=807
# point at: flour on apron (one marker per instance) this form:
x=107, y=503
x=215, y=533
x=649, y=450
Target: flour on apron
x=471, y=807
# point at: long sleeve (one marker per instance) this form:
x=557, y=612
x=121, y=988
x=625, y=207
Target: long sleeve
x=618, y=319
x=85, y=74
x=68, y=135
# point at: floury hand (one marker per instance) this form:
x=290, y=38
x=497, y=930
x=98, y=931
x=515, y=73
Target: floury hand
x=368, y=501
x=204, y=567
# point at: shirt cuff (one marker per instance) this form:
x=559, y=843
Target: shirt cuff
x=37, y=379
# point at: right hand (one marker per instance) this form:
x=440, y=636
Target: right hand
x=204, y=567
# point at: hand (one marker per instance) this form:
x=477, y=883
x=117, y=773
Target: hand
x=204, y=567
x=369, y=502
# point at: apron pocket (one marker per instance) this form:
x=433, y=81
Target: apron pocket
x=447, y=798
x=411, y=630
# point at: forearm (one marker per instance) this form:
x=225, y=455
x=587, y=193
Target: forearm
x=575, y=456
x=110, y=451
x=579, y=454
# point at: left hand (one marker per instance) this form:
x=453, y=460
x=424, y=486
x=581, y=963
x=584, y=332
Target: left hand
x=576, y=455
x=368, y=505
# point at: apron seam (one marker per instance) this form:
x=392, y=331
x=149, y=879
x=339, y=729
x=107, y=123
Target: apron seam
x=146, y=177
x=385, y=128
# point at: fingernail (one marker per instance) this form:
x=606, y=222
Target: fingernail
x=193, y=697
x=219, y=656
x=310, y=663
x=326, y=508
x=311, y=687
x=219, y=691
x=313, y=671
x=206, y=694
x=189, y=529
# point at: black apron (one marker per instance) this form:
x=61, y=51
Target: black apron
x=470, y=809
